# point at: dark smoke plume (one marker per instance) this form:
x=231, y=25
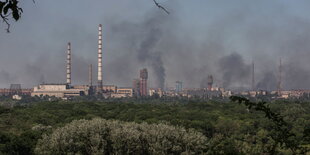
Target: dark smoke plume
x=235, y=70
x=147, y=53
x=183, y=45
x=268, y=82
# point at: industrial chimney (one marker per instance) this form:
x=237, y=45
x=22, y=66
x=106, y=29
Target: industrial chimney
x=253, y=76
x=100, y=59
x=90, y=75
x=279, y=86
x=69, y=64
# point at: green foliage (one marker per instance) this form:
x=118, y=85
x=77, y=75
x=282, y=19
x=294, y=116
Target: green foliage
x=229, y=127
x=99, y=136
x=23, y=144
x=281, y=131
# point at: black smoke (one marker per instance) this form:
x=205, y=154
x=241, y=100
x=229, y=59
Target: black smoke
x=268, y=82
x=235, y=72
x=184, y=46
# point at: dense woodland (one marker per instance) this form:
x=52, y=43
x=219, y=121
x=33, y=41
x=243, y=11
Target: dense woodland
x=225, y=127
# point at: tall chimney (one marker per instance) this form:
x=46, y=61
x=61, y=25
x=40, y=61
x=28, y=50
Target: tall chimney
x=100, y=59
x=279, y=87
x=69, y=64
x=90, y=75
x=253, y=77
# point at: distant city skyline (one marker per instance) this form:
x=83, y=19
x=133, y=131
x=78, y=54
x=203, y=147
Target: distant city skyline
x=199, y=38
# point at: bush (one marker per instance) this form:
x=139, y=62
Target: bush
x=99, y=136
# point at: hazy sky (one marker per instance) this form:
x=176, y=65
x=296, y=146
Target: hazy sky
x=198, y=38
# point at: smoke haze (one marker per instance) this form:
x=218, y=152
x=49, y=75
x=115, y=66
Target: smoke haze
x=198, y=38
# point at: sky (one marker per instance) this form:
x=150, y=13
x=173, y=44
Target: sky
x=198, y=38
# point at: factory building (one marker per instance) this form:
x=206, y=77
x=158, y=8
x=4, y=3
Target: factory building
x=107, y=89
x=15, y=89
x=67, y=90
x=123, y=92
x=8, y=92
x=202, y=93
x=58, y=90
x=158, y=91
x=62, y=90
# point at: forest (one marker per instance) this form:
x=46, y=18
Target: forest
x=154, y=126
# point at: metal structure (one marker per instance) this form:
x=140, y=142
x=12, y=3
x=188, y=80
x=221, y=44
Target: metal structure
x=90, y=75
x=143, y=82
x=100, y=60
x=253, y=77
x=279, y=87
x=69, y=64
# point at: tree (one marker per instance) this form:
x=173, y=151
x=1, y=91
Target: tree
x=99, y=136
x=281, y=131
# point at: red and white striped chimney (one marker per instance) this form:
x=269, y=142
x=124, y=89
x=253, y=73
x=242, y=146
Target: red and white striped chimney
x=100, y=59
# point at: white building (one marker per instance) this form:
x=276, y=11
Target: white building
x=58, y=90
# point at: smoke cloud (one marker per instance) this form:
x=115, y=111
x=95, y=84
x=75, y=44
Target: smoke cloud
x=234, y=70
x=184, y=46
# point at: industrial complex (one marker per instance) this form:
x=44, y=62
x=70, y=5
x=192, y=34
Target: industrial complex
x=139, y=86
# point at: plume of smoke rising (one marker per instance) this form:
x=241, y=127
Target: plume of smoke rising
x=268, y=82
x=235, y=71
x=143, y=41
x=295, y=76
x=159, y=69
x=204, y=82
x=171, y=50
x=6, y=77
x=147, y=52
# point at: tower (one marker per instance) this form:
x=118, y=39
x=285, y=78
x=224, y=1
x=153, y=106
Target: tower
x=100, y=59
x=279, y=87
x=69, y=64
x=90, y=75
x=143, y=82
x=253, y=77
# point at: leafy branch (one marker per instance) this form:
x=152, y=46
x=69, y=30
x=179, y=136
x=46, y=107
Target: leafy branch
x=161, y=7
x=10, y=8
x=282, y=135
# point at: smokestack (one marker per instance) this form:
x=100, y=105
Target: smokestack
x=100, y=59
x=253, y=77
x=279, y=87
x=90, y=75
x=69, y=64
